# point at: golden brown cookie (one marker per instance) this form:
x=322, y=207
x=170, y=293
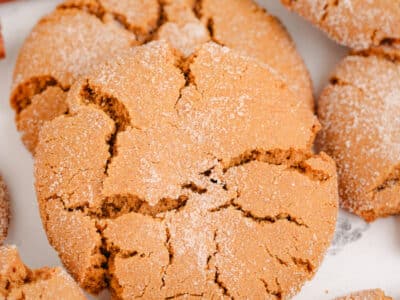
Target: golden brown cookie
x=81, y=34
x=359, y=111
x=358, y=24
x=193, y=177
x=4, y=211
x=376, y=294
x=19, y=282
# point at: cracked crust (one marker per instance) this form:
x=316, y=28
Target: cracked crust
x=157, y=177
x=4, y=210
x=359, y=112
x=376, y=294
x=357, y=24
x=19, y=282
x=65, y=45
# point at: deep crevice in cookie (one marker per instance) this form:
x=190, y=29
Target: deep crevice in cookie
x=24, y=92
x=184, y=295
x=232, y=204
x=383, y=51
x=119, y=205
x=171, y=253
x=293, y=159
x=114, y=108
x=277, y=294
x=209, y=22
x=391, y=180
x=95, y=8
x=217, y=275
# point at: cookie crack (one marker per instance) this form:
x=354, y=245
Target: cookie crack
x=386, y=50
x=391, y=180
x=267, y=219
x=97, y=9
x=209, y=22
x=294, y=160
x=217, y=274
x=184, y=295
x=276, y=293
x=24, y=92
x=168, y=246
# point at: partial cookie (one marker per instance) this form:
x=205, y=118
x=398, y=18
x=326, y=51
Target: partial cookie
x=2, y=48
x=358, y=24
x=19, y=282
x=81, y=34
x=376, y=294
x=359, y=112
x=193, y=178
x=4, y=211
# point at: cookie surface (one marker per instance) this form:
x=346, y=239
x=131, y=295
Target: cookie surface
x=80, y=34
x=19, y=282
x=358, y=24
x=376, y=294
x=164, y=169
x=4, y=210
x=359, y=112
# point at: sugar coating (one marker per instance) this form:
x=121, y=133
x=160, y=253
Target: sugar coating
x=19, y=282
x=193, y=177
x=4, y=210
x=359, y=113
x=81, y=34
x=357, y=24
x=375, y=294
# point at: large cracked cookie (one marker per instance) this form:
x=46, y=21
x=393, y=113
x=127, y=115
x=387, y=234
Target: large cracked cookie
x=192, y=177
x=80, y=34
x=359, y=111
x=19, y=282
x=358, y=24
x=375, y=294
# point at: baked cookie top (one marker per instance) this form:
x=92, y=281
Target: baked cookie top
x=81, y=34
x=19, y=282
x=194, y=177
x=4, y=210
x=376, y=294
x=359, y=112
x=358, y=24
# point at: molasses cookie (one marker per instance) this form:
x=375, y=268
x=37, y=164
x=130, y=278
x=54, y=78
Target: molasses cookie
x=19, y=282
x=4, y=211
x=376, y=294
x=360, y=115
x=190, y=177
x=80, y=34
x=357, y=24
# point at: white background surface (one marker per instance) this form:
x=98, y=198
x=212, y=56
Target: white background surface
x=362, y=256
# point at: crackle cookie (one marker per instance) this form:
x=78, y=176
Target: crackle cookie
x=19, y=282
x=80, y=34
x=194, y=177
x=360, y=116
x=358, y=24
x=4, y=210
x=376, y=294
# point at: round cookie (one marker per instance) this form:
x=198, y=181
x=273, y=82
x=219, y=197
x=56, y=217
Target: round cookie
x=80, y=34
x=358, y=24
x=376, y=294
x=189, y=178
x=19, y=282
x=359, y=112
x=4, y=211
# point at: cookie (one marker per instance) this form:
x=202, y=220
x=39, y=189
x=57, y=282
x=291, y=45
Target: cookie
x=80, y=34
x=4, y=211
x=2, y=48
x=19, y=282
x=193, y=177
x=376, y=294
x=357, y=24
x=359, y=112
